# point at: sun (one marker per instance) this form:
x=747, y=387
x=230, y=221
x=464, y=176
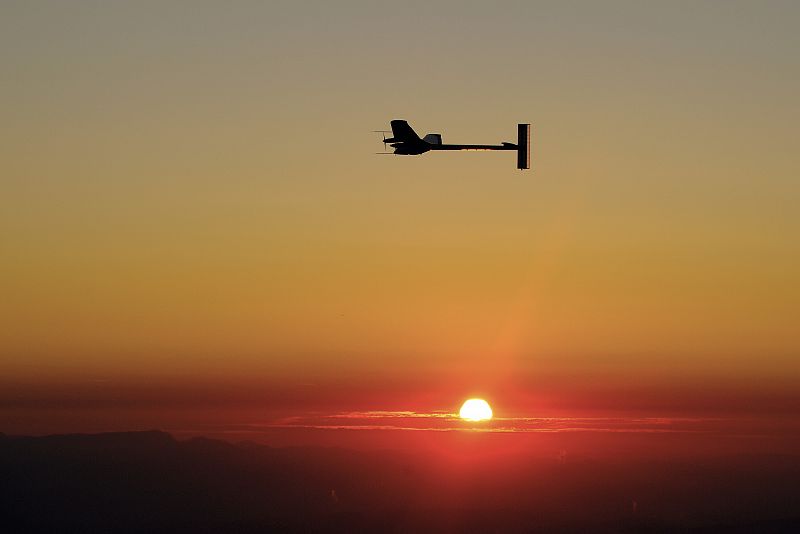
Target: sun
x=475, y=410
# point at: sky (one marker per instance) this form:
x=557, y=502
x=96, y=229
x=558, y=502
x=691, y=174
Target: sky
x=191, y=213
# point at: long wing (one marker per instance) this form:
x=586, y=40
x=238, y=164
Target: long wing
x=403, y=133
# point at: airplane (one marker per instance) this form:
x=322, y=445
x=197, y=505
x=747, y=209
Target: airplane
x=406, y=142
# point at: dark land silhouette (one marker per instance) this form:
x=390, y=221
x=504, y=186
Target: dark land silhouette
x=151, y=482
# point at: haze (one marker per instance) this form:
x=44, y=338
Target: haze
x=192, y=217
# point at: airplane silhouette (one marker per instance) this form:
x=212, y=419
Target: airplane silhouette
x=406, y=142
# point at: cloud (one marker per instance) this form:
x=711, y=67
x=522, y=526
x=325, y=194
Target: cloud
x=441, y=421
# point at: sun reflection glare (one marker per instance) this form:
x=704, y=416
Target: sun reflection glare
x=475, y=410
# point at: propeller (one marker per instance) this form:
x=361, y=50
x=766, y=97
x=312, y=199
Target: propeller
x=385, y=148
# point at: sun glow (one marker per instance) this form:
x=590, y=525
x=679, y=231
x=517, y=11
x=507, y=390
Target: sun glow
x=475, y=410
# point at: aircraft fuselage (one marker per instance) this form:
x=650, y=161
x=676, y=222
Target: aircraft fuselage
x=415, y=149
x=406, y=142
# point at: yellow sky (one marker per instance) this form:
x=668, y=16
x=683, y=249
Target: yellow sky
x=193, y=186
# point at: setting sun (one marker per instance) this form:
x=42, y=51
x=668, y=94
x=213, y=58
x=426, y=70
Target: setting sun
x=475, y=410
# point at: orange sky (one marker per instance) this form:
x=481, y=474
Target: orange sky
x=190, y=206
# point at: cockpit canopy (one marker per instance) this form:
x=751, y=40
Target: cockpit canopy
x=433, y=139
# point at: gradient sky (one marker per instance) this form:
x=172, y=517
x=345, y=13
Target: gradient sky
x=190, y=206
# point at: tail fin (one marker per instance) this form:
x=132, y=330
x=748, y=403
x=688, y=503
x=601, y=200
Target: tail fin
x=402, y=132
x=523, y=146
